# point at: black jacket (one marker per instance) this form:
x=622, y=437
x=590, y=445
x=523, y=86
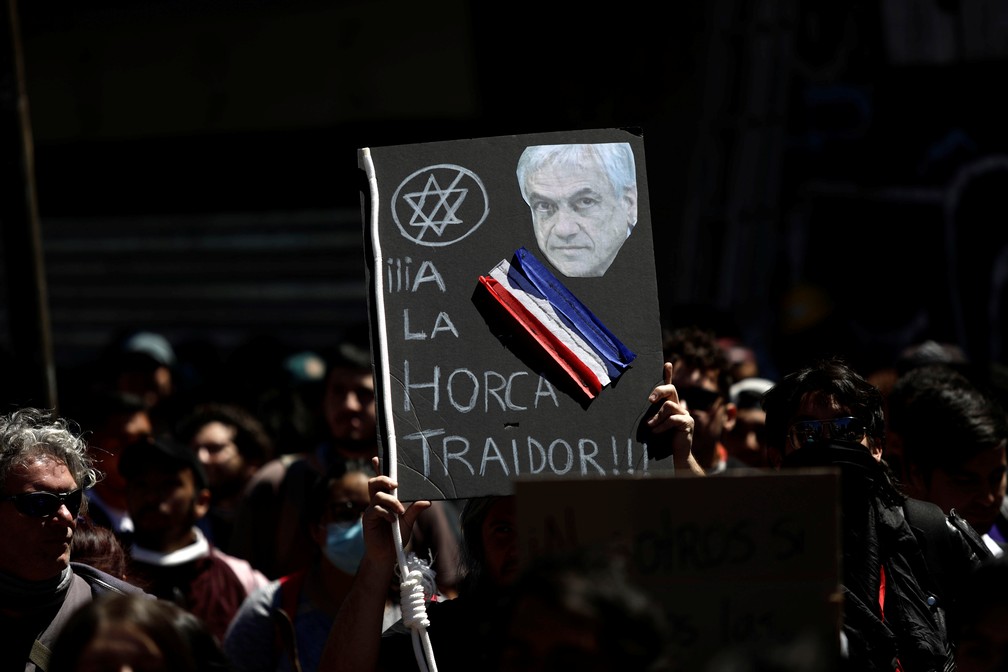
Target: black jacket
x=923, y=555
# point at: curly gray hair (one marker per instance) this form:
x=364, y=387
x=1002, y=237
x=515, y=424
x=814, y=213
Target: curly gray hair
x=28, y=433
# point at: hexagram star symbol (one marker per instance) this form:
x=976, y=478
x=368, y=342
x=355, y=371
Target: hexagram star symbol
x=437, y=214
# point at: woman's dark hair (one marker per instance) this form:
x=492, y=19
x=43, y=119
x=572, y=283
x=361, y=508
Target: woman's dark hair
x=253, y=441
x=473, y=555
x=99, y=547
x=320, y=490
x=182, y=639
x=593, y=590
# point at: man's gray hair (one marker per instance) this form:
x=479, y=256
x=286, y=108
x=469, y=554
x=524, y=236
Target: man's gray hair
x=616, y=158
x=29, y=433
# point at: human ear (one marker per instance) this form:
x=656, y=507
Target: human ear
x=731, y=415
x=202, y=504
x=630, y=203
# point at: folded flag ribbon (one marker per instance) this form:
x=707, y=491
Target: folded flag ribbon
x=567, y=331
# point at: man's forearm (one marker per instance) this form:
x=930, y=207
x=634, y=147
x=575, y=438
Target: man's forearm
x=689, y=466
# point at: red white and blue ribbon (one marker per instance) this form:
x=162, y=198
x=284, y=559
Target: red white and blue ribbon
x=563, y=327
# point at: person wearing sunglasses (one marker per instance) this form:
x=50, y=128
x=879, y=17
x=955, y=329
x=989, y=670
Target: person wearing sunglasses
x=901, y=557
x=44, y=470
x=702, y=376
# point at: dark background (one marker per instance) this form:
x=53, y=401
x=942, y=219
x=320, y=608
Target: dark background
x=824, y=177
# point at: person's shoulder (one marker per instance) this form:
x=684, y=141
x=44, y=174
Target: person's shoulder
x=268, y=480
x=263, y=600
x=274, y=470
x=102, y=582
x=923, y=512
x=949, y=544
x=249, y=576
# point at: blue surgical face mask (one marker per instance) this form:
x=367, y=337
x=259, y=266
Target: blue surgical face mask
x=345, y=545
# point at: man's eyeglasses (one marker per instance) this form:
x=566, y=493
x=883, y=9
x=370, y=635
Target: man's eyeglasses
x=809, y=431
x=46, y=504
x=698, y=398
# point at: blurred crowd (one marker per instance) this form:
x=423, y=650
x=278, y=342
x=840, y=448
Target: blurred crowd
x=183, y=514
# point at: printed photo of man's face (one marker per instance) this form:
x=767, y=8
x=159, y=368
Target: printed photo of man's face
x=583, y=200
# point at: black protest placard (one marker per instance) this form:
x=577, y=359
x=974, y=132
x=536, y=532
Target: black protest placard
x=514, y=316
x=743, y=565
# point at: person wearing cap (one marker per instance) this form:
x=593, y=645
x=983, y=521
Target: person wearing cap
x=144, y=365
x=167, y=492
x=903, y=560
x=44, y=470
x=745, y=438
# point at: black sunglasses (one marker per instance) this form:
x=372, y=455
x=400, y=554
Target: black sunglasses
x=46, y=504
x=810, y=431
x=698, y=398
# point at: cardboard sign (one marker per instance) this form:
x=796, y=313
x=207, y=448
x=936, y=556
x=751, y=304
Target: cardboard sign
x=741, y=564
x=514, y=313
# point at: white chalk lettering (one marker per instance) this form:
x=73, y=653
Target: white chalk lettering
x=495, y=383
x=411, y=335
x=400, y=267
x=629, y=456
x=469, y=405
x=399, y=270
x=528, y=455
x=428, y=273
x=546, y=390
x=586, y=458
x=464, y=388
x=489, y=446
x=494, y=390
x=458, y=454
x=408, y=386
x=441, y=323
x=542, y=457
x=568, y=451
x=423, y=435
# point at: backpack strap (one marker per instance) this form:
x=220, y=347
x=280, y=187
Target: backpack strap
x=39, y=655
x=283, y=616
x=290, y=592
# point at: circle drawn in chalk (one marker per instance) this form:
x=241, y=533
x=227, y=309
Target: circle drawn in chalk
x=440, y=205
